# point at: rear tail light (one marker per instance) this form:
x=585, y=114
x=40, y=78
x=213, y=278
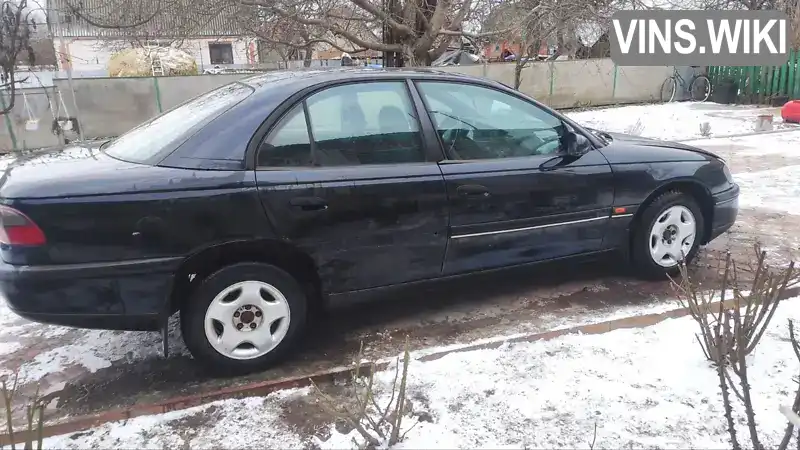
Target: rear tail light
x=17, y=229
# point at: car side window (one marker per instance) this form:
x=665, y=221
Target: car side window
x=476, y=122
x=288, y=144
x=364, y=123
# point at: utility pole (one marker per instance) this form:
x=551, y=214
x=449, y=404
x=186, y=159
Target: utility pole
x=69, y=70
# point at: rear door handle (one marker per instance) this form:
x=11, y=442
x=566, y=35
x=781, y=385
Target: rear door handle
x=472, y=190
x=309, y=203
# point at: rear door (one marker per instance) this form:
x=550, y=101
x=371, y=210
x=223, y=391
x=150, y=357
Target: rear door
x=346, y=176
x=515, y=196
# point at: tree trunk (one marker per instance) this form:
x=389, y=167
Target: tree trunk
x=417, y=58
x=308, y=53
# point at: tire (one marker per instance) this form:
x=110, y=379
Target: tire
x=700, y=89
x=668, y=88
x=656, y=224
x=264, y=309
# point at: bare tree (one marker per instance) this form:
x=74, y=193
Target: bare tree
x=419, y=30
x=288, y=37
x=16, y=29
x=544, y=20
x=794, y=25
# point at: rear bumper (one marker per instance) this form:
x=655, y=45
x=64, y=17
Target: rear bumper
x=127, y=295
x=726, y=209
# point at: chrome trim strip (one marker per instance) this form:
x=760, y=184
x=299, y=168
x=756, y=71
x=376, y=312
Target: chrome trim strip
x=537, y=227
x=726, y=201
x=622, y=215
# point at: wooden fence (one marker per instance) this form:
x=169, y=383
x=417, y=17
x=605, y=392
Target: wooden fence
x=762, y=84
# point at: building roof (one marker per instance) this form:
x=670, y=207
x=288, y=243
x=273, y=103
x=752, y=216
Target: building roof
x=192, y=22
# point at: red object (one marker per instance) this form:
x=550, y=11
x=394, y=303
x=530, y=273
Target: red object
x=791, y=111
x=17, y=229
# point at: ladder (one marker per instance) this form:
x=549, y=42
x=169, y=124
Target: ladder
x=156, y=65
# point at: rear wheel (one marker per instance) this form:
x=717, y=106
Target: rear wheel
x=668, y=233
x=700, y=88
x=668, y=88
x=243, y=318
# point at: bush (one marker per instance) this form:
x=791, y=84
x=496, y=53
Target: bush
x=34, y=414
x=728, y=335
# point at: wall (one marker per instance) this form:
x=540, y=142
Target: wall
x=111, y=106
x=91, y=56
x=578, y=83
x=44, y=104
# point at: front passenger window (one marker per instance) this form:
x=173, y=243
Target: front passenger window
x=492, y=124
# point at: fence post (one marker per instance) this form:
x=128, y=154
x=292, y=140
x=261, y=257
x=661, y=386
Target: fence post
x=552, y=78
x=9, y=125
x=614, y=85
x=794, y=60
x=790, y=76
x=158, y=94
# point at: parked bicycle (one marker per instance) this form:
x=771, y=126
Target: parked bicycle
x=699, y=86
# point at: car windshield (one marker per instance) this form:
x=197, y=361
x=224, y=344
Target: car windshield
x=147, y=141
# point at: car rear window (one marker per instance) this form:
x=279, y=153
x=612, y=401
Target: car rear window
x=148, y=142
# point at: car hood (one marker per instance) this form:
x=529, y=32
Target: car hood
x=655, y=149
x=70, y=171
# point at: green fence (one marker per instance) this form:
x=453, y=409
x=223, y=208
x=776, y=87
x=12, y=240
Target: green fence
x=762, y=84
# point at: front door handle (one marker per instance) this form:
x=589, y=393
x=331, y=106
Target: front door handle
x=473, y=190
x=309, y=203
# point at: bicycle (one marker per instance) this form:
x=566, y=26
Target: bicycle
x=699, y=86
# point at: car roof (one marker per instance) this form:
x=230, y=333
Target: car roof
x=296, y=79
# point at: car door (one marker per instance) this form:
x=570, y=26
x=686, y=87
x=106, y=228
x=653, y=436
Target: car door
x=346, y=176
x=515, y=195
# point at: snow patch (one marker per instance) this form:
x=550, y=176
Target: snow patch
x=238, y=423
x=776, y=189
x=674, y=121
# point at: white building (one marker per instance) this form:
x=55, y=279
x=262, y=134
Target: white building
x=218, y=42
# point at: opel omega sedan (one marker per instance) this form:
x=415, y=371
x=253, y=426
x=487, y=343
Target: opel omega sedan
x=251, y=206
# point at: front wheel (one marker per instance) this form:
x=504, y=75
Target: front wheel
x=669, y=232
x=243, y=318
x=668, y=88
x=700, y=88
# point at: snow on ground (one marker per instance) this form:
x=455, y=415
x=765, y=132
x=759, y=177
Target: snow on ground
x=777, y=189
x=782, y=144
x=648, y=387
x=246, y=423
x=90, y=350
x=675, y=121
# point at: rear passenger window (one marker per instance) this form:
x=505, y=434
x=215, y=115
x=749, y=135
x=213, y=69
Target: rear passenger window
x=288, y=145
x=365, y=123
x=354, y=124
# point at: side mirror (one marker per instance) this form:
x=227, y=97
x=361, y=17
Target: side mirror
x=576, y=144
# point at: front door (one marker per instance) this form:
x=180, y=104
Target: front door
x=362, y=196
x=515, y=196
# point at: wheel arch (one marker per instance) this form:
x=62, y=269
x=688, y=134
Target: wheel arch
x=281, y=254
x=688, y=186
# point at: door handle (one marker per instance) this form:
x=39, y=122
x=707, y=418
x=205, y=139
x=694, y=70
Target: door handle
x=473, y=190
x=309, y=203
